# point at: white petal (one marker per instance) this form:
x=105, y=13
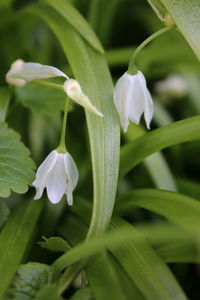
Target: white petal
x=56, y=180
x=45, y=168
x=39, y=192
x=148, y=110
x=74, y=92
x=137, y=101
x=121, y=101
x=72, y=177
x=42, y=173
x=21, y=72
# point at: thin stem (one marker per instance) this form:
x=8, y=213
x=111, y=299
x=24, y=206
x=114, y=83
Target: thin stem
x=62, y=147
x=48, y=84
x=132, y=69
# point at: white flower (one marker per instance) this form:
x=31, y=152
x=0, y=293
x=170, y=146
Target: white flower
x=22, y=72
x=132, y=98
x=74, y=91
x=173, y=85
x=59, y=174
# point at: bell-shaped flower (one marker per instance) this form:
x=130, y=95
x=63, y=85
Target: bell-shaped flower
x=22, y=72
x=59, y=174
x=132, y=99
x=74, y=91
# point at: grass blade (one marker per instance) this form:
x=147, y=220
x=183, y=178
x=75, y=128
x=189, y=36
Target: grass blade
x=144, y=266
x=14, y=239
x=76, y=20
x=179, y=132
x=177, y=208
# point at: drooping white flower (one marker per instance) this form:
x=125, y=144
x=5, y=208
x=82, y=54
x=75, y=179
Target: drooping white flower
x=22, y=72
x=132, y=99
x=59, y=174
x=74, y=91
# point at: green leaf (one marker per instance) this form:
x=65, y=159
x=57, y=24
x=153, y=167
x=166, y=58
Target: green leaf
x=188, y=187
x=163, y=238
x=179, y=252
x=179, y=132
x=172, y=243
x=160, y=172
x=4, y=102
x=103, y=280
x=48, y=292
x=55, y=244
x=4, y=213
x=158, y=8
x=109, y=239
x=128, y=286
x=75, y=19
x=82, y=294
x=41, y=99
x=14, y=240
x=155, y=163
x=31, y=278
x=177, y=208
x=14, y=175
x=186, y=16
x=144, y=266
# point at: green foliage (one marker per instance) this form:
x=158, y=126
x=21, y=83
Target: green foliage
x=31, y=278
x=186, y=16
x=75, y=19
x=178, y=132
x=14, y=240
x=4, y=213
x=55, y=244
x=171, y=205
x=48, y=292
x=101, y=258
x=82, y=294
x=41, y=99
x=16, y=171
x=101, y=275
x=4, y=101
x=148, y=267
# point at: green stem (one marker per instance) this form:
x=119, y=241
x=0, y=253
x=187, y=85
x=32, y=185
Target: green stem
x=132, y=69
x=48, y=84
x=62, y=147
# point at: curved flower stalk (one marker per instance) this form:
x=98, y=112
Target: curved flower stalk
x=59, y=174
x=21, y=72
x=132, y=99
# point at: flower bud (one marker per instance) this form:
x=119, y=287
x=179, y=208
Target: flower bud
x=74, y=91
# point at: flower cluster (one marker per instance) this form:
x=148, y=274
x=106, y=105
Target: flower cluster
x=58, y=172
